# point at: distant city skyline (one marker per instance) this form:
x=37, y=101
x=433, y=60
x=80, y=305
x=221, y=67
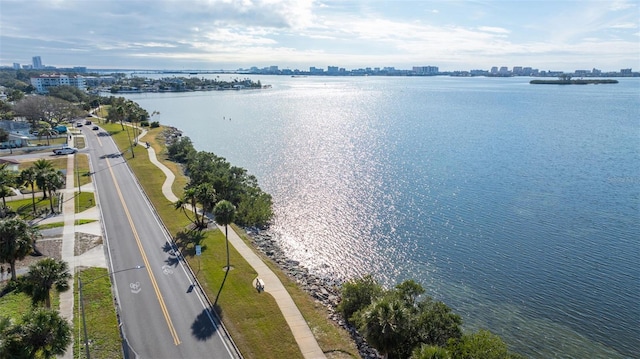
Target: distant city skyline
x=337, y=70
x=298, y=34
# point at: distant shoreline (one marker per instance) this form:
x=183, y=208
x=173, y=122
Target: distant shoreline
x=572, y=82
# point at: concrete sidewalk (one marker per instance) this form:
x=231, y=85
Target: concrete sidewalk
x=272, y=285
x=92, y=258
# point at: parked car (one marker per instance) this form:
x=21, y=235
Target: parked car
x=65, y=151
x=61, y=129
x=78, y=124
x=87, y=122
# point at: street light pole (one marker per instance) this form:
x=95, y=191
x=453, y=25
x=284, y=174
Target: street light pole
x=84, y=322
x=75, y=158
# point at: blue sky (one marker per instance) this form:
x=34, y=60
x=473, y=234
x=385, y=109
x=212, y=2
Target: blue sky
x=229, y=34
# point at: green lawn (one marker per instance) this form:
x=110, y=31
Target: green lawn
x=51, y=142
x=59, y=163
x=84, y=201
x=24, y=207
x=100, y=316
x=253, y=319
x=13, y=305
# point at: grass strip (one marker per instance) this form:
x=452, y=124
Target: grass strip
x=253, y=319
x=84, y=201
x=42, y=227
x=82, y=173
x=102, y=323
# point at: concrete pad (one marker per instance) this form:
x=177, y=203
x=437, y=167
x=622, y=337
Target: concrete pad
x=94, y=257
x=50, y=219
x=91, y=213
x=88, y=187
x=93, y=228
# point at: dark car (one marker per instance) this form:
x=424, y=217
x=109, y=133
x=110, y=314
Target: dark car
x=95, y=128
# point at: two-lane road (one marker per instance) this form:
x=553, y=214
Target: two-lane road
x=162, y=316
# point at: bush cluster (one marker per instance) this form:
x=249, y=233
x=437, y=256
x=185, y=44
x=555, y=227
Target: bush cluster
x=231, y=183
x=404, y=323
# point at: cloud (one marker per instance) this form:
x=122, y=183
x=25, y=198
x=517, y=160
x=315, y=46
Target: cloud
x=617, y=5
x=628, y=25
x=359, y=33
x=493, y=29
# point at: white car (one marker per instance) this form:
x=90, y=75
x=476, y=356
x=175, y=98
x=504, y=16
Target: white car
x=65, y=151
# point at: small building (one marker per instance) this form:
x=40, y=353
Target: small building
x=11, y=164
x=16, y=140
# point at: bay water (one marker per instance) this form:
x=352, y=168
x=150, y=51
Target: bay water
x=515, y=204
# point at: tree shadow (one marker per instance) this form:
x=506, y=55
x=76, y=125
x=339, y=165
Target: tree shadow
x=174, y=253
x=168, y=248
x=184, y=238
x=203, y=327
x=172, y=261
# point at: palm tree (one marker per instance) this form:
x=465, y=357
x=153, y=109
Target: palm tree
x=430, y=352
x=48, y=131
x=53, y=181
x=188, y=204
x=117, y=112
x=224, y=213
x=7, y=178
x=4, y=193
x=385, y=324
x=16, y=241
x=129, y=113
x=11, y=345
x=45, y=275
x=42, y=166
x=138, y=114
x=44, y=333
x=29, y=176
x=203, y=194
x=206, y=195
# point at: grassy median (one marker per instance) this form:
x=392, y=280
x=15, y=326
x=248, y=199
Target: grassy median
x=103, y=334
x=253, y=319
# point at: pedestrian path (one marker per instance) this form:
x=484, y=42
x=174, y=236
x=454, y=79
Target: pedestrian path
x=272, y=284
x=91, y=258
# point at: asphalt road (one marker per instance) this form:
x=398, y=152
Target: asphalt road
x=162, y=314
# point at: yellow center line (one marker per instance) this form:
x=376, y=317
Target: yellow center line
x=163, y=306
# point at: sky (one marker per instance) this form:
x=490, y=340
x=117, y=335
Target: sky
x=558, y=35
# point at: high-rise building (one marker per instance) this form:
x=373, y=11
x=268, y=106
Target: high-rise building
x=426, y=70
x=37, y=62
x=16, y=66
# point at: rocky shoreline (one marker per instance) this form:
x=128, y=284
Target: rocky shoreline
x=323, y=289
